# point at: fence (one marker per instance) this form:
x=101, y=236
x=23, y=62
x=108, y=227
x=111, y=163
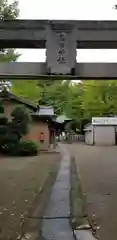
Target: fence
x=72, y=138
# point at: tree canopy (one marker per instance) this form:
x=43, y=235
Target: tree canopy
x=79, y=101
x=8, y=12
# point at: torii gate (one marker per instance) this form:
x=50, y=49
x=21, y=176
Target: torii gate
x=60, y=38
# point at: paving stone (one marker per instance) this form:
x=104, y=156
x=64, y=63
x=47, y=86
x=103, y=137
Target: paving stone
x=84, y=235
x=59, y=206
x=57, y=229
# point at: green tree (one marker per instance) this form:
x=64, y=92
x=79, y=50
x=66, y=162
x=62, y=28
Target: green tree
x=8, y=12
x=3, y=125
x=28, y=89
x=56, y=95
x=80, y=101
x=11, y=133
x=44, y=86
x=20, y=121
x=100, y=98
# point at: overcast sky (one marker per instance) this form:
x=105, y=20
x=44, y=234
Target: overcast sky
x=69, y=9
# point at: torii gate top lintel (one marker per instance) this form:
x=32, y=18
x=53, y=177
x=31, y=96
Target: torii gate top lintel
x=81, y=24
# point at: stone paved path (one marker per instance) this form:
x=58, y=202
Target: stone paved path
x=55, y=224
x=98, y=171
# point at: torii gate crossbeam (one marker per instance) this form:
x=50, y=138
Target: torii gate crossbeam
x=61, y=38
x=32, y=33
x=38, y=71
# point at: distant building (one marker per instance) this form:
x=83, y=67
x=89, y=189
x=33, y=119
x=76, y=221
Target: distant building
x=102, y=131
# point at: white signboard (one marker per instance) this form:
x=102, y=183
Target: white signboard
x=104, y=121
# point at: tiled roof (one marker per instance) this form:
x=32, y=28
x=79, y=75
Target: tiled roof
x=45, y=111
x=62, y=119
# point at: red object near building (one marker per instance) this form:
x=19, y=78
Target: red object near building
x=41, y=137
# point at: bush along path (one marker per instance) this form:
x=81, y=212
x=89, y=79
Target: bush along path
x=11, y=133
x=83, y=227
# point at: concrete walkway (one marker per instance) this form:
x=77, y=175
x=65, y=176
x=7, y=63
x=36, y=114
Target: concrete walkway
x=98, y=172
x=55, y=224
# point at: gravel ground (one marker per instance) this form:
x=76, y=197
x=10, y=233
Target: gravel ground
x=20, y=180
x=98, y=173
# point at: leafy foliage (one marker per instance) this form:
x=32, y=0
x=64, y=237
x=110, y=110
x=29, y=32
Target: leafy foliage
x=8, y=55
x=20, y=121
x=79, y=101
x=27, y=89
x=22, y=148
x=8, y=12
x=3, y=126
x=10, y=134
x=27, y=148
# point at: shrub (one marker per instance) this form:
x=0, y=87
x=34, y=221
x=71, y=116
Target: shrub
x=27, y=148
x=23, y=148
x=8, y=142
x=1, y=108
x=11, y=137
x=3, y=120
x=9, y=149
x=20, y=120
x=3, y=129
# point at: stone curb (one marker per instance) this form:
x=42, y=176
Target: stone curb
x=78, y=217
x=83, y=235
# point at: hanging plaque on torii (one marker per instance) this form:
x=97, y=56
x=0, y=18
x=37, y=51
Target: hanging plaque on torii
x=61, y=48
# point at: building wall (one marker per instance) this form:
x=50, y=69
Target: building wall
x=104, y=135
x=35, y=129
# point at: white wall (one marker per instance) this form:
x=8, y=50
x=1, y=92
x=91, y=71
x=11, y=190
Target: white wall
x=104, y=135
